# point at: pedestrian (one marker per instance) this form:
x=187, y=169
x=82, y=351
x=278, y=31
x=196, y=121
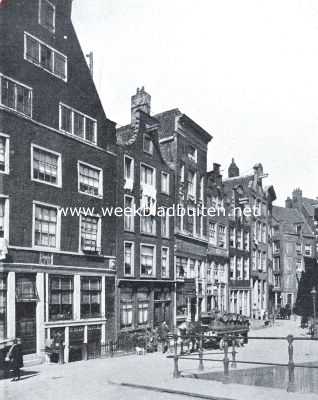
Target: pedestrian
x=15, y=358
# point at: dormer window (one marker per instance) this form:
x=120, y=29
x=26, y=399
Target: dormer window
x=192, y=153
x=148, y=145
x=47, y=15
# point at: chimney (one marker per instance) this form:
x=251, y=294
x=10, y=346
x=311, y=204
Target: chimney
x=90, y=57
x=216, y=168
x=289, y=203
x=140, y=102
x=258, y=170
x=233, y=170
x=297, y=194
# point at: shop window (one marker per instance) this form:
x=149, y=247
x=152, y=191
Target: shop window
x=91, y=288
x=60, y=298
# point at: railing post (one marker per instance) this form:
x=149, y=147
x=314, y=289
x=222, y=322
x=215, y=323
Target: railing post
x=201, y=367
x=291, y=365
x=226, y=361
x=233, y=365
x=176, y=372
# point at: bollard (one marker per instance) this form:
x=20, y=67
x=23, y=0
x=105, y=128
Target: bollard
x=233, y=365
x=61, y=354
x=84, y=352
x=226, y=361
x=201, y=367
x=291, y=365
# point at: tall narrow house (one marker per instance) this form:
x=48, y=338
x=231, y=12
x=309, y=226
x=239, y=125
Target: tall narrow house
x=57, y=269
x=184, y=145
x=145, y=284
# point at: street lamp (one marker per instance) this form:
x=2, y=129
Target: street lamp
x=313, y=292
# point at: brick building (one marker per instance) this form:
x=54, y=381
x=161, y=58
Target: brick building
x=184, y=148
x=57, y=271
x=217, y=278
x=293, y=243
x=145, y=290
x=248, y=190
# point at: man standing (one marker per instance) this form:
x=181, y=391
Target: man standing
x=16, y=358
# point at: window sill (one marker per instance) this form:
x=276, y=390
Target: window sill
x=80, y=139
x=47, y=183
x=99, y=196
x=45, y=249
x=4, y=173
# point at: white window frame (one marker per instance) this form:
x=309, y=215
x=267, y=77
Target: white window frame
x=132, y=171
x=59, y=165
x=151, y=144
x=166, y=218
x=15, y=96
x=308, y=247
x=130, y=216
x=6, y=216
x=54, y=51
x=132, y=257
x=58, y=227
x=153, y=225
x=167, y=175
x=192, y=195
x=74, y=110
x=142, y=164
x=193, y=157
x=168, y=263
x=154, y=269
x=99, y=231
x=6, y=154
x=54, y=15
x=100, y=183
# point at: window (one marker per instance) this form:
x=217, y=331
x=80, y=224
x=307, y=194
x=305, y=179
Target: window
x=232, y=237
x=143, y=308
x=4, y=153
x=90, y=234
x=165, y=182
x=239, y=274
x=221, y=236
x=191, y=221
x=202, y=189
x=212, y=232
x=181, y=267
x=60, y=297
x=182, y=173
x=91, y=288
x=264, y=262
x=307, y=250
x=147, y=260
x=298, y=248
x=147, y=175
x=276, y=264
x=246, y=240
x=148, y=224
x=129, y=258
x=129, y=173
x=264, y=236
x=46, y=166
x=254, y=260
x=46, y=226
x=239, y=242
x=232, y=268
x=90, y=180
x=4, y=223
x=192, y=153
x=47, y=15
x=192, y=268
x=126, y=308
x=16, y=96
x=128, y=214
x=78, y=124
x=165, y=225
x=165, y=262
x=246, y=271
x=25, y=288
x=45, y=57
x=191, y=185
x=148, y=145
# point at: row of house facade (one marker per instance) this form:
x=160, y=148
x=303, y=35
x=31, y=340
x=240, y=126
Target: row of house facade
x=91, y=276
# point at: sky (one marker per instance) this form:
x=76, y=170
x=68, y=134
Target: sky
x=244, y=70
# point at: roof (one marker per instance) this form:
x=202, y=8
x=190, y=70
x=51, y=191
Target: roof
x=310, y=205
x=167, y=121
x=244, y=180
x=289, y=217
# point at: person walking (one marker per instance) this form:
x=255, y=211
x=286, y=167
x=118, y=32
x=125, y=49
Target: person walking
x=16, y=359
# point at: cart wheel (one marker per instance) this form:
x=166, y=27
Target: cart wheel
x=221, y=344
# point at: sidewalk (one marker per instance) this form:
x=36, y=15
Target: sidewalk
x=102, y=378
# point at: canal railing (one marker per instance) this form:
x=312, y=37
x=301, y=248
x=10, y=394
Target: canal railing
x=230, y=359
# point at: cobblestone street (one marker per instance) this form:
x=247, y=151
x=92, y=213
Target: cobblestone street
x=103, y=378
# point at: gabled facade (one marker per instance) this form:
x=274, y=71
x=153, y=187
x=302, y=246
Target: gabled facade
x=57, y=271
x=217, y=272
x=184, y=148
x=145, y=245
x=248, y=191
